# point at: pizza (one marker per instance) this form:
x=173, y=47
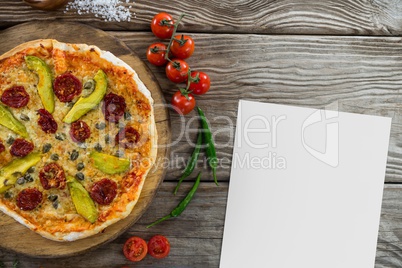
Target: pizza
x=77, y=138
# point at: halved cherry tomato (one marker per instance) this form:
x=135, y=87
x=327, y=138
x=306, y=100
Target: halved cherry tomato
x=162, y=25
x=156, y=54
x=182, y=104
x=182, y=46
x=201, y=84
x=159, y=246
x=176, y=70
x=135, y=248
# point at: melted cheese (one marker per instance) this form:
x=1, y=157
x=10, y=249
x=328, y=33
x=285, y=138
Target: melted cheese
x=82, y=61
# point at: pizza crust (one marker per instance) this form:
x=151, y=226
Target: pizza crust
x=72, y=236
x=48, y=43
x=107, y=56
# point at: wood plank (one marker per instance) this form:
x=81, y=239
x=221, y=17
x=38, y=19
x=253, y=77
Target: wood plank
x=333, y=17
x=353, y=74
x=199, y=230
x=389, y=245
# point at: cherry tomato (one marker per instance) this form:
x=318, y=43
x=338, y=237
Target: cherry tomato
x=182, y=46
x=21, y=147
x=182, y=104
x=156, y=54
x=176, y=70
x=29, y=198
x=162, y=25
x=66, y=87
x=201, y=84
x=159, y=246
x=15, y=97
x=135, y=248
x=2, y=147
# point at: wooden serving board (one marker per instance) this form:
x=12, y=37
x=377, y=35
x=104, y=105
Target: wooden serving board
x=18, y=238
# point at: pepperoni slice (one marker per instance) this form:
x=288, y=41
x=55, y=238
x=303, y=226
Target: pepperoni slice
x=21, y=147
x=15, y=97
x=46, y=121
x=127, y=137
x=29, y=199
x=2, y=147
x=104, y=191
x=66, y=87
x=52, y=176
x=113, y=107
x=79, y=131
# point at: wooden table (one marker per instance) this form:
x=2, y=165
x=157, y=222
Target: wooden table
x=317, y=54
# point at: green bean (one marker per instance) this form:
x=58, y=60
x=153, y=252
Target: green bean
x=209, y=140
x=182, y=205
x=191, y=163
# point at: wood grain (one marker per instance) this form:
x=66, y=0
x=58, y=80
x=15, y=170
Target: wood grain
x=196, y=236
x=351, y=74
x=329, y=17
x=357, y=74
x=33, y=244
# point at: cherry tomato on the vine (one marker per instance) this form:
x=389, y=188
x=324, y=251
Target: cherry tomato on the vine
x=182, y=104
x=176, y=70
x=201, y=84
x=156, y=54
x=182, y=46
x=162, y=25
x=159, y=246
x=135, y=248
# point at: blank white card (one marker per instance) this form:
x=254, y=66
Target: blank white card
x=305, y=188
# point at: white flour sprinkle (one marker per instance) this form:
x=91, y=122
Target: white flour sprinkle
x=109, y=10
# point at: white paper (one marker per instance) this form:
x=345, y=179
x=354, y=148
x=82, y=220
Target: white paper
x=305, y=188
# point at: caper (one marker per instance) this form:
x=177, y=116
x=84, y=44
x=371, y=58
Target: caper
x=80, y=166
x=54, y=157
x=119, y=154
x=8, y=195
x=121, y=125
x=89, y=84
x=80, y=176
x=98, y=147
x=31, y=170
x=107, y=138
x=24, y=117
x=74, y=155
x=28, y=177
x=89, y=87
x=21, y=180
x=82, y=145
x=100, y=125
x=55, y=204
x=127, y=115
x=10, y=140
x=52, y=197
x=46, y=148
x=60, y=136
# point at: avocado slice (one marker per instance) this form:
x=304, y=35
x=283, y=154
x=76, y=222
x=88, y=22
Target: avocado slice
x=45, y=88
x=110, y=164
x=19, y=165
x=85, y=104
x=8, y=120
x=83, y=203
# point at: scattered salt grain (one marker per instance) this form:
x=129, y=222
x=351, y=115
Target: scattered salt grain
x=109, y=10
